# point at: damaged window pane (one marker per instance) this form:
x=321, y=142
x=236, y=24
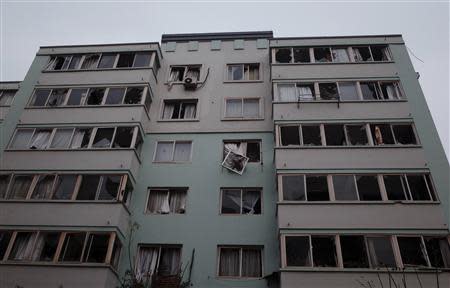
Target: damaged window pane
x=370, y=90
x=235, y=162
x=64, y=186
x=103, y=138
x=123, y=137
x=81, y=138
x=95, y=96
x=115, y=96
x=368, y=188
x=324, y=251
x=322, y=54
x=311, y=135
x=40, y=97
x=253, y=152
x=176, y=74
x=290, y=135
x=88, y=188
x=438, y=251
x=317, y=188
x=107, y=61
x=182, y=152
x=411, y=251
x=347, y=91
x=283, y=55
x=380, y=53
x=382, y=134
x=301, y=55
x=125, y=60
x=293, y=187
x=362, y=54
x=395, y=187
x=380, y=252
x=251, y=202
x=418, y=187
x=298, y=251
x=335, y=135
x=142, y=59
x=344, y=187
x=90, y=61
x=354, y=253
x=328, y=91
x=57, y=97
x=110, y=187
x=76, y=96
x=357, y=134
x=133, y=95
x=231, y=201
x=404, y=134
x=72, y=247
x=340, y=55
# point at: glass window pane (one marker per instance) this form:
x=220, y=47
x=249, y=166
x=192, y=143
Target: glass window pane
x=4, y=182
x=164, y=151
x=404, y=134
x=231, y=201
x=40, y=97
x=438, y=251
x=251, y=202
x=287, y=92
x=354, y=254
x=298, y=251
x=290, y=135
x=22, y=247
x=64, y=186
x=81, y=138
x=125, y=60
x=72, y=247
x=229, y=262
x=115, y=96
x=6, y=97
x=324, y=251
x=389, y=90
x=293, y=187
x=21, y=138
x=418, y=187
x=40, y=139
x=395, y=187
x=362, y=54
x=235, y=72
x=335, y=135
x=95, y=96
x=233, y=108
x=340, y=55
x=123, y=137
x=322, y=54
x=74, y=63
x=382, y=134
x=44, y=187
x=103, y=138
x=368, y=188
x=61, y=139
x=328, y=91
x=251, y=262
x=45, y=247
x=5, y=237
x=20, y=186
x=411, y=251
x=344, y=187
x=317, y=188
x=134, y=95
x=182, y=151
x=251, y=108
x=369, y=90
x=347, y=91
x=142, y=59
x=311, y=135
x=76, y=96
x=57, y=97
x=380, y=252
x=357, y=135
x=97, y=246
x=110, y=187
x=88, y=187
x=90, y=61
x=107, y=61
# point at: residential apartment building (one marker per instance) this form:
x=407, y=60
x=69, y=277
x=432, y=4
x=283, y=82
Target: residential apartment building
x=223, y=160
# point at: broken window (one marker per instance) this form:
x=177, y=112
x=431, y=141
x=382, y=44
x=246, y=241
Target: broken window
x=133, y=95
x=317, y=188
x=81, y=138
x=125, y=60
x=235, y=162
x=95, y=96
x=293, y=187
x=335, y=135
x=380, y=53
x=390, y=90
x=347, y=91
x=340, y=55
x=110, y=187
x=123, y=137
x=22, y=248
x=89, y=187
x=296, y=92
x=438, y=251
x=115, y=96
x=345, y=187
x=167, y=201
x=404, y=134
x=396, y=188
x=103, y=138
x=322, y=54
x=301, y=55
x=72, y=247
x=243, y=72
x=240, y=262
x=179, y=109
x=298, y=251
x=362, y=54
x=75, y=62
x=354, y=252
x=382, y=134
x=250, y=149
x=356, y=134
x=76, y=97
x=311, y=135
x=40, y=97
x=19, y=186
x=253, y=151
x=290, y=135
x=324, y=251
x=21, y=139
x=40, y=139
x=107, y=61
x=283, y=55
x=59, y=63
x=412, y=251
x=44, y=187
x=381, y=254
x=418, y=187
x=242, y=108
x=45, y=247
x=4, y=183
x=90, y=61
x=370, y=90
x=241, y=201
x=142, y=59
x=368, y=188
x=328, y=91
x=181, y=73
x=6, y=97
x=61, y=138
x=5, y=237
x=96, y=248
x=64, y=187
x=173, y=151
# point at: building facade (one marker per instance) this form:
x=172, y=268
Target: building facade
x=222, y=160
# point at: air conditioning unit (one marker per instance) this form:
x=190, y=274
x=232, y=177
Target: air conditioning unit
x=189, y=84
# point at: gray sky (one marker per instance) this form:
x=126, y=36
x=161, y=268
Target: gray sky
x=26, y=25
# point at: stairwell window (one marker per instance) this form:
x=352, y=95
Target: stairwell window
x=240, y=262
x=173, y=151
x=166, y=200
x=179, y=109
x=244, y=108
x=243, y=72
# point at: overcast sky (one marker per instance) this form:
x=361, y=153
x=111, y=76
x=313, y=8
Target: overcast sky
x=26, y=25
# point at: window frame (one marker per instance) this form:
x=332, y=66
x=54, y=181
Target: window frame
x=242, y=117
x=257, y=141
x=243, y=80
x=179, y=101
x=242, y=191
x=240, y=247
x=3, y=91
x=173, y=151
x=168, y=191
x=186, y=67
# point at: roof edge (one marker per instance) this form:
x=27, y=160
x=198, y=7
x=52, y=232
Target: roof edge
x=338, y=37
x=216, y=36
x=100, y=45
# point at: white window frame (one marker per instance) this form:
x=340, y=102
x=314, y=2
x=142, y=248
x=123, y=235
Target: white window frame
x=242, y=117
x=243, y=80
x=186, y=67
x=168, y=191
x=174, y=142
x=240, y=247
x=181, y=102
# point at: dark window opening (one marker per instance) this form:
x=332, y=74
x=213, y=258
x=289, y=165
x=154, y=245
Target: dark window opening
x=253, y=151
x=19, y=251
x=322, y=54
x=251, y=202
x=60, y=63
x=411, y=251
x=134, y=95
x=354, y=253
x=324, y=251
x=95, y=96
x=57, y=97
x=389, y=90
x=328, y=91
x=301, y=55
x=357, y=134
x=110, y=187
x=5, y=236
x=293, y=188
x=103, y=138
x=4, y=182
x=177, y=74
x=317, y=188
x=382, y=134
x=362, y=54
x=88, y=188
x=40, y=97
x=76, y=96
x=418, y=187
x=381, y=253
x=430, y=187
x=115, y=96
x=370, y=90
x=395, y=187
x=96, y=248
x=438, y=251
x=290, y=135
x=335, y=135
x=72, y=247
x=231, y=201
x=123, y=137
x=107, y=61
x=74, y=63
x=64, y=186
x=125, y=60
x=142, y=59
x=311, y=135
x=283, y=55
x=368, y=188
x=298, y=251
x=404, y=134
x=379, y=53
x=344, y=187
x=47, y=251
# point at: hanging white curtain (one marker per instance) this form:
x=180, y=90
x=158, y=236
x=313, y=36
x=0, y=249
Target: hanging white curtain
x=168, y=111
x=287, y=93
x=340, y=55
x=61, y=138
x=177, y=201
x=44, y=187
x=158, y=202
x=251, y=263
x=170, y=261
x=164, y=151
x=193, y=73
x=233, y=196
x=189, y=111
x=40, y=139
x=39, y=245
x=305, y=93
x=251, y=108
x=146, y=263
x=174, y=75
x=234, y=108
x=250, y=200
x=23, y=246
x=390, y=90
x=182, y=151
x=229, y=262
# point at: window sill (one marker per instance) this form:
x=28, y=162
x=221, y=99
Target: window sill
x=178, y=120
x=98, y=70
x=332, y=63
x=182, y=83
x=242, y=119
x=349, y=147
x=356, y=202
x=242, y=81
